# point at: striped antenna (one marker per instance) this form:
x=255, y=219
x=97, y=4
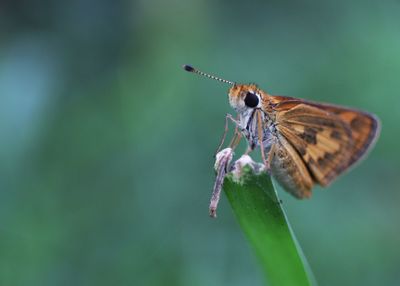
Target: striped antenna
x=192, y=69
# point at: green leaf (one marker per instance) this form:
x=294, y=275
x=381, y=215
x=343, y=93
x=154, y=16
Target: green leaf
x=260, y=215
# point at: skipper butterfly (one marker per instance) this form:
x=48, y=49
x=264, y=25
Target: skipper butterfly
x=303, y=143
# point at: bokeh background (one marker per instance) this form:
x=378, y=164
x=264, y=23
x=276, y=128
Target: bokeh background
x=107, y=145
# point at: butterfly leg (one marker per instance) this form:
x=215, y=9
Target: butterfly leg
x=260, y=131
x=236, y=137
x=223, y=158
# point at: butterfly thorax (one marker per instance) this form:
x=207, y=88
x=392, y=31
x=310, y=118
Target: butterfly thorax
x=247, y=115
x=252, y=130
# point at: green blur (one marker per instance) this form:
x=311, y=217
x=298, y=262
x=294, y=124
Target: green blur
x=107, y=145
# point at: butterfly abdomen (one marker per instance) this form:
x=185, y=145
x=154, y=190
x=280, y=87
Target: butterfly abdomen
x=289, y=169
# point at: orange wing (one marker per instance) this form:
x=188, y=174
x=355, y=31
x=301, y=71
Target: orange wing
x=328, y=138
x=365, y=128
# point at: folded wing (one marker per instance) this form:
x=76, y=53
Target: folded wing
x=328, y=138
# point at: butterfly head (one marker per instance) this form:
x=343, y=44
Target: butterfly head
x=243, y=97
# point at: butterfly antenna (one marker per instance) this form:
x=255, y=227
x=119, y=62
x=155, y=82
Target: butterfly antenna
x=192, y=69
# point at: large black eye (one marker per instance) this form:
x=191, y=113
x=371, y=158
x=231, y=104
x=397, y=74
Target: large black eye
x=251, y=100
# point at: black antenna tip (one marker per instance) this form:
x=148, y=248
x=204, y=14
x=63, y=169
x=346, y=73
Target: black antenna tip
x=188, y=68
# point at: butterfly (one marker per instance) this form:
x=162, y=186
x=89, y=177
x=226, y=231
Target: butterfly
x=302, y=143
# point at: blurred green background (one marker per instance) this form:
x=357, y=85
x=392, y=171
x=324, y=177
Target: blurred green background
x=107, y=145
